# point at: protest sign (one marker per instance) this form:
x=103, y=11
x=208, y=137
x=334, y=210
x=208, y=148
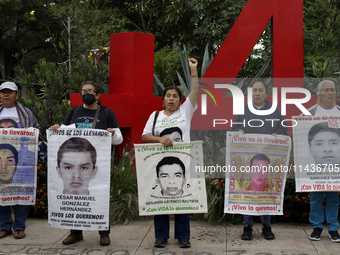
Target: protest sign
x=316, y=153
x=79, y=178
x=165, y=178
x=257, y=167
x=18, y=159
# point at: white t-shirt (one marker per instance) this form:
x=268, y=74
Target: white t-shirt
x=176, y=126
x=334, y=112
x=7, y=115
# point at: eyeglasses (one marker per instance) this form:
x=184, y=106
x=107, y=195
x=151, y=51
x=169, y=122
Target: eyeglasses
x=90, y=91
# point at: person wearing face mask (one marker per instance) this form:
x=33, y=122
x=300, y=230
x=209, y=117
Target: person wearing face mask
x=83, y=116
x=257, y=124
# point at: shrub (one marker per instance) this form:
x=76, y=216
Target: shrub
x=124, y=196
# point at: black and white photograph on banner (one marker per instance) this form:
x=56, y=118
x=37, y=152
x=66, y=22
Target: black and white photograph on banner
x=316, y=153
x=18, y=157
x=79, y=178
x=164, y=179
x=256, y=171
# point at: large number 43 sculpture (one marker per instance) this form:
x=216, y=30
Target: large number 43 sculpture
x=132, y=58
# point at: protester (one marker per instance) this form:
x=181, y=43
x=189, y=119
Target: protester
x=173, y=115
x=326, y=100
x=259, y=95
x=23, y=117
x=85, y=117
x=325, y=107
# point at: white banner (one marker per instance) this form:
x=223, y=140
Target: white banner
x=18, y=165
x=256, y=170
x=166, y=181
x=79, y=178
x=316, y=154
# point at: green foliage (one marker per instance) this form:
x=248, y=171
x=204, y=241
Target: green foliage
x=165, y=63
x=214, y=153
x=124, y=198
x=40, y=209
x=52, y=80
x=214, y=146
x=23, y=27
x=84, y=50
x=193, y=23
x=321, y=38
x=47, y=111
x=46, y=90
x=45, y=93
x=321, y=26
x=185, y=84
x=321, y=70
x=295, y=205
x=215, y=197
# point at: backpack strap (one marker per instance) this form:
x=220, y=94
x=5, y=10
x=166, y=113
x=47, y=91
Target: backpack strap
x=96, y=117
x=154, y=122
x=107, y=115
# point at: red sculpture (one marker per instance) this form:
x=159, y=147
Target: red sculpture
x=132, y=59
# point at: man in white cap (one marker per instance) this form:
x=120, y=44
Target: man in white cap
x=13, y=110
x=325, y=107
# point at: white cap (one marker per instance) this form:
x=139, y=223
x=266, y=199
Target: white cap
x=9, y=85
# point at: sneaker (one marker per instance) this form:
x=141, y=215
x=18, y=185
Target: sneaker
x=160, y=242
x=247, y=232
x=184, y=243
x=316, y=235
x=267, y=232
x=334, y=236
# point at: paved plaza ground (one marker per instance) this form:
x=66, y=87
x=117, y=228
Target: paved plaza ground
x=137, y=238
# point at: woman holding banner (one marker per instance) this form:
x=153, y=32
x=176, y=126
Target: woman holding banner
x=92, y=115
x=177, y=117
x=259, y=95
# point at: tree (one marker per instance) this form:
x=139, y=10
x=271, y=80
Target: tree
x=193, y=23
x=321, y=33
x=23, y=30
x=51, y=82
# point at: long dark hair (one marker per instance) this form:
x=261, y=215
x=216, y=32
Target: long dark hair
x=97, y=89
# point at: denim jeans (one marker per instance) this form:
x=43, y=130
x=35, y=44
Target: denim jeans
x=182, y=226
x=317, y=213
x=20, y=213
x=248, y=220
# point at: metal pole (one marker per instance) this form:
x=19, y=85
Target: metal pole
x=69, y=41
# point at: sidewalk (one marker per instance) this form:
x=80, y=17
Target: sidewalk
x=138, y=239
